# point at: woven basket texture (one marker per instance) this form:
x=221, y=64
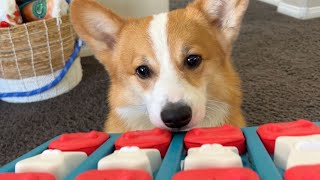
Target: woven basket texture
x=36, y=48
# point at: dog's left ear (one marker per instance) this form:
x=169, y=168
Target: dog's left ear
x=227, y=15
x=98, y=26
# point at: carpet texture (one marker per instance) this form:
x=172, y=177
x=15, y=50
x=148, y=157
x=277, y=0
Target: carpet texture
x=278, y=58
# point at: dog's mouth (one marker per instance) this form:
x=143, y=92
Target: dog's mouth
x=182, y=129
x=175, y=130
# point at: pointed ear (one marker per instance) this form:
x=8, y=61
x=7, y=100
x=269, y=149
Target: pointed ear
x=225, y=14
x=96, y=25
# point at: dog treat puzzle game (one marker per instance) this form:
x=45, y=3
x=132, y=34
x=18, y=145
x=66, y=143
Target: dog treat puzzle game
x=272, y=151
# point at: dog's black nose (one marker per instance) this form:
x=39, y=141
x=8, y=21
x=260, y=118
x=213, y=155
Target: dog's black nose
x=176, y=115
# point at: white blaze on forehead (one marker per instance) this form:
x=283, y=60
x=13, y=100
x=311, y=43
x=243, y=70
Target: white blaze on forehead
x=158, y=33
x=168, y=85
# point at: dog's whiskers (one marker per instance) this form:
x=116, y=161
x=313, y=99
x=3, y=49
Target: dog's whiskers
x=141, y=107
x=216, y=111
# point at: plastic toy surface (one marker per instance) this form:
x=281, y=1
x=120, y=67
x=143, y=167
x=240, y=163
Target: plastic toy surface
x=27, y=176
x=226, y=135
x=85, y=142
x=212, y=156
x=184, y=155
x=155, y=138
x=287, y=148
x=132, y=158
x=269, y=132
x=120, y=174
x=311, y=172
x=54, y=162
x=217, y=174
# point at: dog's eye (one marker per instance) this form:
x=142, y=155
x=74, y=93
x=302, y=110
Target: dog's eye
x=143, y=72
x=193, y=61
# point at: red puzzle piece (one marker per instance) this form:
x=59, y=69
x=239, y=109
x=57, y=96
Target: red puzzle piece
x=85, y=142
x=156, y=139
x=226, y=135
x=27, y=176
x=270, y=132
x=217, y=174
x=115, y=174
x=308, y=172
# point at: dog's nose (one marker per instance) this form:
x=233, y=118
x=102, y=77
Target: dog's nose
x=176, y=115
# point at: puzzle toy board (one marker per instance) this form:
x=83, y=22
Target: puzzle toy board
x=256, y=153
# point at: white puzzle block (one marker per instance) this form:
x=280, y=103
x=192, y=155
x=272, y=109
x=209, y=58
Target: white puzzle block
x=132, y=158
x=209, y=147
x=284, y=146
x=154, y=157
x=305, y=153
x=55, y=162
x=212, y=156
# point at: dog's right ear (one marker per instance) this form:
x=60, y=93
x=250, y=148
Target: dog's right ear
x=226, y=15
x=96, y=25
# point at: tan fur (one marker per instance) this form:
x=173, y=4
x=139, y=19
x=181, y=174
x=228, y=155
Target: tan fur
x=113, y=124
x=123, y=44
x=230, y=91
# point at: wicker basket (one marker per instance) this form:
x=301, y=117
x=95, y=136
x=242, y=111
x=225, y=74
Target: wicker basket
x=36, y=51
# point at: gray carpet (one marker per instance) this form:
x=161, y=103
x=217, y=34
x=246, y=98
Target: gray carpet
x=278, y=58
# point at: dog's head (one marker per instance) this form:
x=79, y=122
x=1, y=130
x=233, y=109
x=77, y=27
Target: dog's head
x=173, y=67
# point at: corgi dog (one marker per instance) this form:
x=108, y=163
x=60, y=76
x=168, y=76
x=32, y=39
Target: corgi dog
x=171, y=70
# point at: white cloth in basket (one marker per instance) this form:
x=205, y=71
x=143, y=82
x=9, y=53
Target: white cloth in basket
x=71, y=80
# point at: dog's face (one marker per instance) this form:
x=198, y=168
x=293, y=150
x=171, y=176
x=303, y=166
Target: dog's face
x=163, y=66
